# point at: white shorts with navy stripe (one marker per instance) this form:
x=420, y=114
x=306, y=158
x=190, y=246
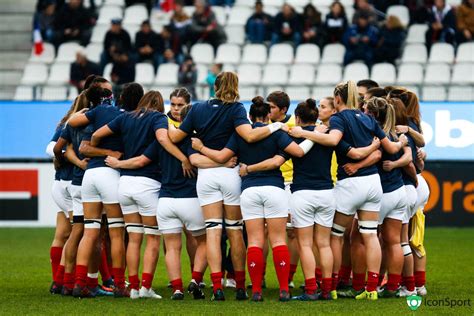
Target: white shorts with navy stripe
x=62, y=196
x=423, y=193
x=394, y=205
x=100, y=185
x=77, y=208
x=358, y=193
x=312, y=206
x=264, y=202
x=218, y=184
x=411, y=202
x=173, y=214
x=138, y=195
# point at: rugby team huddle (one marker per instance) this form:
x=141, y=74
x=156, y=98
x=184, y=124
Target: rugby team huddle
x=129, y=172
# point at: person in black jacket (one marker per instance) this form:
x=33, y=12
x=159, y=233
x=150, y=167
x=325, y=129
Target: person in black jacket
x=169, y=46
x=81, y=69
x=259, y=26
x=73, y=23
x=187, y=76
x=146, y=44
x=442, y=21
x=313, y=30
x=123, y=71
x=116, y=39
x=287, y=26
x=335, y=23
x=392, y=36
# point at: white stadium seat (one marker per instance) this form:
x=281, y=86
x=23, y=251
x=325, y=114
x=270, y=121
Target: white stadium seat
x=167, y=75
x=144, y=73
x=35, y=74
x=228, y=54
x=72, y=93
x=93, y=52
x=115, y=2
x=24, y=93
x=320, y=92
x=437, y=74
x=59, y=74
x=46, y=57
x=461, y=93
x=465, y=53
x=54, y=93
x=415, y=53
x=132, y=30
x=109, y=12
x=384, y=74
x=275, y=75
x=307, y=54
x=273, y=3
x=202, y=71
x=202, y=53
x=107, y=71
x=410, y=74
x=434, y=93
x=302, y=74
x=463, y=74
x=164, y=90
x=249, y=74
x=239, y=15
x=416, y=34
x=235, y=34
x=401, y=12
x=98, y=33
x=356, y=72
x=245, y=3
x=135, y=14
x=254, y=54
x=298, y=93
x=328, y=74
x=442, y=53
x=221, y=16
x=333, y=53
x=248, y=92
x=298, y=3
x=280, y=54
x=67, y=52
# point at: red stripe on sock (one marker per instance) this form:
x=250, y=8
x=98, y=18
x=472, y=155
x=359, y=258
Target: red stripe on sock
x=281, y=261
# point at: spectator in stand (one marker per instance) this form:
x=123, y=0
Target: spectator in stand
x=146, y=44
x=392, y=36
x=169, y=47
x=442, y=22
x=287, y=26
x=364, y=7
x=187, y=76
x=335, y=23
x=44, y=19
x=360, y=41
x=73, y=23
x=211, y=78
x=81, y=69
x=313, y=30
x=116, y=39
x=148, y=3
x=204, y=26
x=465, y=21
x=259, y=25
x=180, y=21
x=123, y=70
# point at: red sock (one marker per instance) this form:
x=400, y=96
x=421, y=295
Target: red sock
x=326, y=285
x=281, y=260
x=230, y=275
x=420, y=278
x=310, y=286
x=92, y=280
x=393, y=281
x=55, y=258
x=147, y=280
x=197, y=276
x=216, y=280
x=119, y=277
x=319, y=275
x=69, y=280
x=103, y=266
x=381, y=278
x=358, y=281
x=345, y=274
x=240, y=279
x=81, y=275
x=372, y=279
x=292, y=272
x=177, y=285
x=134, y=282
x=255, y=266
x=335, y=281
x=409, y=282
x=59, y=275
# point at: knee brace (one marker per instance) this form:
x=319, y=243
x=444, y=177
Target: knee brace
x=368, y=227
x=337, y=230
x=136, y=228
x=234, y=224
x=78, y=219
x=92, y=223
x=406, y=249
x=116, y=222
x=214, y=223
x=152, y=230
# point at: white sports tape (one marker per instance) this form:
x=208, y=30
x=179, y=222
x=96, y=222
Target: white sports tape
x=93, y=275
x=368, y=227
x=306, y=145
x=273, y=127
x=152, y=230
x=234, y=224
x=337, y=230
x=92, y=223
x=406, y=249
x=214, y=223
x=116, y=222
x=136, y=228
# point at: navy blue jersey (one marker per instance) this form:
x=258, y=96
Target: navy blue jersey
x=65, y=171
x=137, y=132
x=75, y=136
x=411, y=143
x=391, y=180
x=413, y=126
x=173, y=182
x=313, y=170
x=358, y=131
x=214, y=122
x=254, y=153
x=98, y=117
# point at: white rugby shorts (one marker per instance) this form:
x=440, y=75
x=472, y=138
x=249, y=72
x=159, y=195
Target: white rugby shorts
x=358, y=193
x=411, y=202
x=62, y=195
x=312, y=206
x=77, y=208
x=100, y=185
x=138, y=195
x=264, y=202
x=219, y=184
x=394, y=205
x=423, y=193
x=172, y=214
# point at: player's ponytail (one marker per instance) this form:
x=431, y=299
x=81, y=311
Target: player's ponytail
x=347, y=91
x=227, y=87
x=307, y=111
x=151, y=101
x=259, y=109
x=384, y=113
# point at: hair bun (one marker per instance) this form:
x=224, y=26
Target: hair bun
x=258, y=100
x=311, y=103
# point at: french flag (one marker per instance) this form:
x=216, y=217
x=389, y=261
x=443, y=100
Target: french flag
x=37, y=40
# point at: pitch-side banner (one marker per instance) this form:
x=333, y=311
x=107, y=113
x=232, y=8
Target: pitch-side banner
x=27, y=127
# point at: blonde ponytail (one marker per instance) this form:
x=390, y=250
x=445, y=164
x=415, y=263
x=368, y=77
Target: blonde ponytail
x=227, y=87
x=352, y=95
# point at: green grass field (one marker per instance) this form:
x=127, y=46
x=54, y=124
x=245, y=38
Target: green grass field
x=25, y=278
